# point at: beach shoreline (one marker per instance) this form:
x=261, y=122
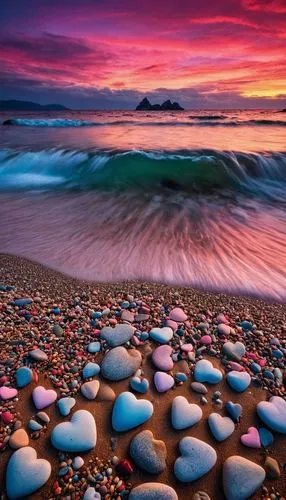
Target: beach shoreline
x=60, y=299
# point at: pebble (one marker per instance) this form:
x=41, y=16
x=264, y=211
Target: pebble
x=91, y=494
x=139, y=384
x=90, y=370
x=205, y=372
x=119, y=335
x=65, y=405
x=241, y=478
x=153, y=491
x=198, y=387
x=234, y=410
x=19, y=439
x=43, y=416
x=238, y=381
x=38, y=355
x=32, y=472
x=161, y=335
x=90, y=389
x=148, y=453
x=105, y=393
x=7, y=393
x=161, y=358
x=273, y=413
x=177, y=314
x=119, y=363
x=23, y=302
x=23, y=376
x=223, y=329
x=43, y=397
x=272, y=468
x=94, y=347
x=184, y=414
x=200, y=495
x=266, y=437
x=197, y=459
x=77, y=463
x=251, y=439
x=34, y=425
x=163, y=381
x=57, y=330
x=128, y=412
x=221, y=427
x=78, y=435
x=234, y=351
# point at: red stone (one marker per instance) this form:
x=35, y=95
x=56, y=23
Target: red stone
x=7, y=417
x=125, y=467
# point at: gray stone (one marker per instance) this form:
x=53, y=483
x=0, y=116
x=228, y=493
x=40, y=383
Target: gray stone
x=241, y=478
x=148, y=453
x=119, y=335
x=153, y=491
x=120, y=363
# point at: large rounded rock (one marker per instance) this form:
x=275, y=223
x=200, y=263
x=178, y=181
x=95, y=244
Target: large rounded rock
x=197, y=459
x=148, y=453
x=273, y=413
x=120, y=363
x=153, y=491
x=77, y=435
x=129, y=412
x=119, y=335
x=241, y=478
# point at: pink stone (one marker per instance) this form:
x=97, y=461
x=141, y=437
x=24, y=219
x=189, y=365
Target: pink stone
x=172, y=324
x=135, y=341
x=163, y=381
x=161, y=358
x=236, y=366
x=262, y=362
x=3, y=380
x=206, y=340
x=252, y=438
x=223, y=329
x=221, y=318
x=7, y=417
x=186, y=347
x=7, y=393
x=43, y=397
x=251, y=355
x=177, y=314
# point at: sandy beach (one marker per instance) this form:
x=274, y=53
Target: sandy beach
x=58, y=299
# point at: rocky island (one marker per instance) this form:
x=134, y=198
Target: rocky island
x=145, y=105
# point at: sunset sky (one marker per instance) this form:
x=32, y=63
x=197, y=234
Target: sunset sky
x=111, y=53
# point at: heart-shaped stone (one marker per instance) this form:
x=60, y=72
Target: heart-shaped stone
x=205, y=372
x=251, y=439
x=7, y=392
x=197, y=459
x=43, y=397
x=128, y=412
x=119, y=363
x=234, y=351
x=148, y=453
x=241, y=478
x=266, y=437
x=184, y=414
x=273, y=413
x=221, y=427
x=161, y=358
x=65, y=405
x=119, y=335
x=90, y=370
x=238, y=381
x=234, y=410
x=18, y=439
x=23, y=376
x=91, y=494
x=177, y=314
x=139, y=384
x=161, y=335
x=90, y=389
x=163, y=381
x=26, y=473
x=77, y=435
x=153, y=491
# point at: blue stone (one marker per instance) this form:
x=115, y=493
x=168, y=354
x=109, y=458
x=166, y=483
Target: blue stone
x=93, y=347
x=90, y=370
x=277, y=354
x=96, y=314
x=132, y=305
x=255, y=367
x=238, y=381
x=246, y=325
x=205, y=372
x=181, y=377
x=139, y=384
x=65, y=405
x=125, y=304
x=22, y=302
x=56, y=311
x=128, y=412
x=144, y=336
x=268, y=374
x=266, y=437
x=234, y=410
x=23, y=376
x=180, y=332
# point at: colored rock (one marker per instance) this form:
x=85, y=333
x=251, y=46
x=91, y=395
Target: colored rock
x=251, y=439
x=91, y=494
x=184, y=414
x=177, y=314
x=105, y=393
x=34, y=426
x=38, y=355
x=94, y=347
x=197, y=459
x=266, y=437
x=238, y=381
x=273, y=413
x=7, y=393
x=163, y=381
x=234, y=351
x=199, y=388
x=78, y=435
x=119, y=363
x=221, y=427
x=65, y=405
x=161, y=335
x=43, y=417
x=128, y=412
x=26, y=473
x=153, y=491
x=223, y=329
x=148, y=453
x=161, y=358
x=234, y=410
x=205, y=372
x=22, y=302
x=90, y=370
x=241, y=478
x=90, y=389
x=272, y=468
x=19, y=439
x=117, y=336
x=43, y=397
x=23, y=376
x=139, y=384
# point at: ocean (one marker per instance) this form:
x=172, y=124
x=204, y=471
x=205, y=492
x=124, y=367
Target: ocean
x=191, y=198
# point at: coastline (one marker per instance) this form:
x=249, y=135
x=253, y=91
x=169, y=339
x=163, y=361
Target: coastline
x=56, y=290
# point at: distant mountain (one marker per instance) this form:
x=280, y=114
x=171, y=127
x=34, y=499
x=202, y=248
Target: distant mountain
x=145, y=105
x=13, y=105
